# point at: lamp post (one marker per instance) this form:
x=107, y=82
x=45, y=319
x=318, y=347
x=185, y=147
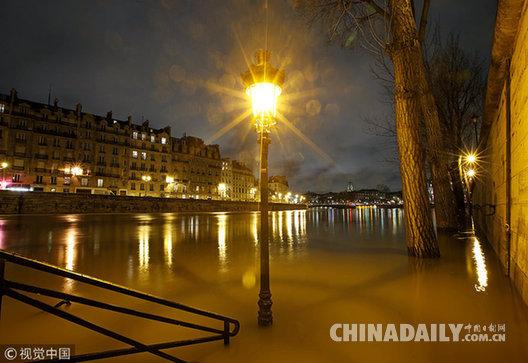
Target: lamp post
x=467, y=169
x=263, y=85
x=146, y=179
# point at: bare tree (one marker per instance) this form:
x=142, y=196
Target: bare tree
x=391, y=28
x=457, y=82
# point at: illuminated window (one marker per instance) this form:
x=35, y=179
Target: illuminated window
x=143, y=136
x=152, y=138
x=2, y=107
x=163, y=140
x=135, y=135
x=99, y=183
x=134, y=154
x=67, y=180
x=143, y=155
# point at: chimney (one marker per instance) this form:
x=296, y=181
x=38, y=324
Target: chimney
x=129, y=119
x=56, y=103
x=78, y=109
x=109, y=116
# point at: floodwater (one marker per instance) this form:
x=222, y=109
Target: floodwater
x=327, y=266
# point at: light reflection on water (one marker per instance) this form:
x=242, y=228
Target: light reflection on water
x=480, y=266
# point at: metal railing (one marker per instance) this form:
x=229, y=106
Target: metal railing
x=12, y=289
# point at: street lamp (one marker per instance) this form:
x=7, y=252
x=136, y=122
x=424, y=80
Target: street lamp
x=263, y=84
x=147, y=179
x=4, y=166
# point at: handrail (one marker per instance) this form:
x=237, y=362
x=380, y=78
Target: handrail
x=8, y=288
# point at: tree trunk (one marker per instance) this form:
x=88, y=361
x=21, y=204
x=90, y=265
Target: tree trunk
x=405, y=53
x=445, y=208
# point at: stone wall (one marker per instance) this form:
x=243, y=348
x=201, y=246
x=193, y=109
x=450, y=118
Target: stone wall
x=490, y=195
x=54, y=203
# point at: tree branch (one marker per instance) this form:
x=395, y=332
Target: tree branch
x=423, y=20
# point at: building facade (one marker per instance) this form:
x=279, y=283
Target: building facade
x=53, y=149
x=237, y=181
x=278, y=184
x=500, y=196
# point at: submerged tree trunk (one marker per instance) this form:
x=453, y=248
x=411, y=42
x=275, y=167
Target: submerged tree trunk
x=405, y=53
x=445, y=209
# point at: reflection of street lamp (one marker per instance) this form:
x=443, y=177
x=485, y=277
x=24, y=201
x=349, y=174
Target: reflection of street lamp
x=4, y=166
x=263, y=85
x=147, y=179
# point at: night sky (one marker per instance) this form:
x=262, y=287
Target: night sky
x=178, y=63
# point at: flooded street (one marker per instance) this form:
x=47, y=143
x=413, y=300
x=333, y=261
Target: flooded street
x=327, y=266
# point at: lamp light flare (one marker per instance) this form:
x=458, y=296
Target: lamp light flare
x=4, y=165
x=76, y=170
x=471, y=158
x=471, y=173
x=264, y=97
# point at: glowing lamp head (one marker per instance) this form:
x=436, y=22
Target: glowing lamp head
x=169, y=179
x=4, y=165
x=222, y=187
x=471, y=173
x=471, y=158
x=146, y=178
x=76, y=170
x=263, y=84
x=264, y=97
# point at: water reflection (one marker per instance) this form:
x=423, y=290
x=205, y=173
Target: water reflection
x=141, y=241
x=480, y=266
x=167, y=242
x=143, y=250
x=222, y=255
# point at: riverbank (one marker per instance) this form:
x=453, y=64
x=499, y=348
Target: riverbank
x=59, y=203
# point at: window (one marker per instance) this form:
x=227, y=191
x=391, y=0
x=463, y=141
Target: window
x=53, y=180
x=18, y=163
x=20, y=136
x=151, y=188
x=84, y=182
x=162, y=187
x=135, y=135
x=114, y=151
x=143, y=155
x=141, y=186
x=133, y=186
x=2, y=107
x=40, y=179
x=101, y=149
x=16, y=178
x=65, y=190
x=163, y=140
x=152, y=138
x=99, y=183
x=67, y=180
x=143, y=136
x=134, y=154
